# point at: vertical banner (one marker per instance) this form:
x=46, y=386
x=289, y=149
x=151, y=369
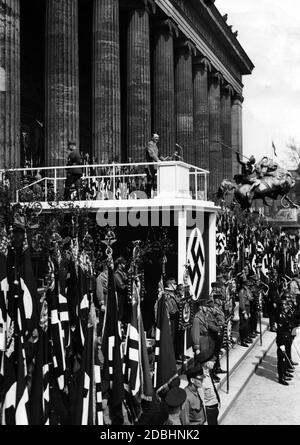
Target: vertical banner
x=196, y=263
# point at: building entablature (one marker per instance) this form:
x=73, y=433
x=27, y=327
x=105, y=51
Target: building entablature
x=204, y=25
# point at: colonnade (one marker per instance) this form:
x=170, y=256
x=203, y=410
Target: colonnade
x=173, y=90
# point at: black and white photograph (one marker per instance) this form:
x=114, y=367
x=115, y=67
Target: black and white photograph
x=149, y=215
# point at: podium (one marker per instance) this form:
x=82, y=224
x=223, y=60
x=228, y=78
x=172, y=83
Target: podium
x=173, y=180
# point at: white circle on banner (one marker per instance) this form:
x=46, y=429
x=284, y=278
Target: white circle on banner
x=196, y=263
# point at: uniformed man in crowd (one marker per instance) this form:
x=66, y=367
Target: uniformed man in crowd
x=217, y=306
x=215, y=319
x=256, y=291
x=210, y=393
x=172, y=299
x=294, y=287
x=283, y=341
x=273, y=299
x=101, y=292
x=245, y=296
x=121, y=281
x=294, y=321
x=175, y=402
x=194, y=404
x=204, y=330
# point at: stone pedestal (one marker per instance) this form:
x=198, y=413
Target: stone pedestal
x=106, y=82
x=138, y=79
x=228, y=155
x=201, y=112
x=10, y=84
x=62, y=79
x=184, y=99
x=163, y=85
x=215, y=159
x=237, y=128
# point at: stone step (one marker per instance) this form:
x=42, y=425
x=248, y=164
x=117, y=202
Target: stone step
x=243, y=362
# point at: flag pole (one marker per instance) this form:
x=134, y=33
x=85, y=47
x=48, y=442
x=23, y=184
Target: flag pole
x=259, y=306
x=227, y=360
x=232, y=149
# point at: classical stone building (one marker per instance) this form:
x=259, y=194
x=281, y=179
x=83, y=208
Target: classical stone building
x=107, y=73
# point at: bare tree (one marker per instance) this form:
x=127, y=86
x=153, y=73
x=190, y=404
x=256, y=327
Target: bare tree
x=294, y=153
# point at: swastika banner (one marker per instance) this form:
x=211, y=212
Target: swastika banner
x=196, y=263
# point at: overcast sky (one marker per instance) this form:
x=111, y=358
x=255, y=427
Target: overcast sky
x=269, y=31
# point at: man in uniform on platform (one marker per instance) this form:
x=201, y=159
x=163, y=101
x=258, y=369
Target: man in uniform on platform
x=152, y=155
x=73, y=174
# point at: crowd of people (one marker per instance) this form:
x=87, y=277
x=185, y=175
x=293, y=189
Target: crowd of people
x=228, y=317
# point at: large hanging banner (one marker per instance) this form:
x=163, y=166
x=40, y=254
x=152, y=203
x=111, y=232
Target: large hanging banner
x=196, y=263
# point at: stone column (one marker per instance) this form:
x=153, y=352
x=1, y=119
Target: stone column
x=106, y=82
x=184, y=98
x=215, y=159
x=138, y=79
x=237, y=128
x=228, y=155
x=62, y=79
x=163, y=85
x=10, y=84
x=201, y=112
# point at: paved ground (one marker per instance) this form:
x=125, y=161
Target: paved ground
x=264, y=401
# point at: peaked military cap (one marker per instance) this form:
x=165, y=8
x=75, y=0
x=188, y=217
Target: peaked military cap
x=175, y=397
x=194, y=371
x=216, y=284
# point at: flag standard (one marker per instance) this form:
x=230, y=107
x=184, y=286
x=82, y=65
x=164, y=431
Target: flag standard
x=165, y=363
x=111, y=346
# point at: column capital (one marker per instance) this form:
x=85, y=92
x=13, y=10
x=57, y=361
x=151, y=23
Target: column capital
x=238, y=97
x=186, y=46
x=216, y=77
x=168, y=26
x=140, y=4
x=203, y=62
x=227, y=89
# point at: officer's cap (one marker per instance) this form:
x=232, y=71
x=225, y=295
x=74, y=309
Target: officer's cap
x=216, y=284
x=195, y=371
x=175, y=397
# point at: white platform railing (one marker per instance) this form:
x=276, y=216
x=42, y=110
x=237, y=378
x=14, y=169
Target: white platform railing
x=109, y=181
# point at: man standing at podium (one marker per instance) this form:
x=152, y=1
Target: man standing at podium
x=152, y=155
x=73, y=174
